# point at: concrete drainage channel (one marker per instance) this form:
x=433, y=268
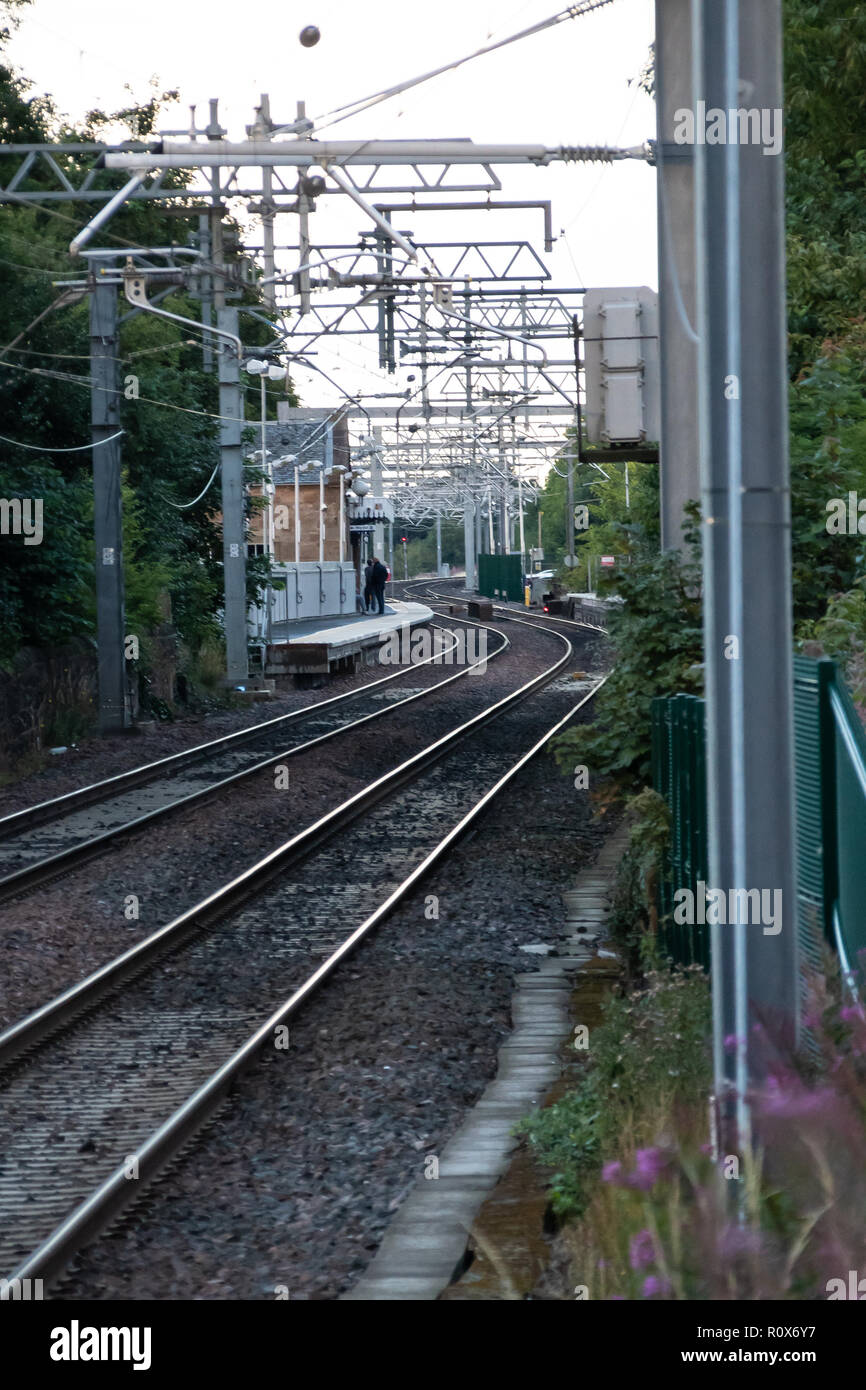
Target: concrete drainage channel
x=425, y=1248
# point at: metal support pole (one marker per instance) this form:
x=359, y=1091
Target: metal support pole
x=322, y=514
x=297, y=515
x=107, y=505
x=569, y=503
x=377, y=486
x=234, y=524
x=304, y=206
x=524, y=328
x=269, y=262
x=676, y=91
x=205, y=281
x=469, y=541
x=520, y=514
x=438, y=543
x=422, y=310
x=268, y=517
x=502, y=507
x=342, y=481
x=747, y=565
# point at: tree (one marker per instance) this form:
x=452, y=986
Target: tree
x=169, y=410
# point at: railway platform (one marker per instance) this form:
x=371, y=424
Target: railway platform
x=324, y=646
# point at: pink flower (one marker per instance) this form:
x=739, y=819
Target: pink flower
x=612, y=1172
x=642, y=1251
x=652, y=1285
x=649, y=1165
x=798, y=1101
x=739, y=1240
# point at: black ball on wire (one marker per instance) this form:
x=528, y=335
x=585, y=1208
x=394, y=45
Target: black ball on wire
x=309, y=36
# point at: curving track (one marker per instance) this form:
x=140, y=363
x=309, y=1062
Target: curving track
x=48, y=839
x=104, y=1083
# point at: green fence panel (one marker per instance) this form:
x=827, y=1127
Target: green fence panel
x=849, y=767
x=815, y=824
x=501, y=576
x=679, y=775
x=830, y=768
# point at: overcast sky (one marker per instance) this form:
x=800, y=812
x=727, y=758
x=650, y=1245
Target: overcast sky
x=574, y=84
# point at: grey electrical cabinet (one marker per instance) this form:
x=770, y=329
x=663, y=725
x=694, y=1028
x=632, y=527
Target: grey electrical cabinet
x=621, y=360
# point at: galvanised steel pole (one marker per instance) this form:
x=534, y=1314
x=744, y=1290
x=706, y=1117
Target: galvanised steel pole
x=107, y=505
x=675, y=175
x=233, y=519
x=746, y=534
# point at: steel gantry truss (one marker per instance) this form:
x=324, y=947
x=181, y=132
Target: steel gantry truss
x=473, y=313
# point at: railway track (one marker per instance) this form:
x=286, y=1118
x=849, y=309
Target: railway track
x=53, y=837
x=423, y=589
x=102, y=1085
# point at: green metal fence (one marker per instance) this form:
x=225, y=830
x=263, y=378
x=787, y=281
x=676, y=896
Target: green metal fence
x=679, y=775
x=831, y=820
x=830, y=777
x=501, y=576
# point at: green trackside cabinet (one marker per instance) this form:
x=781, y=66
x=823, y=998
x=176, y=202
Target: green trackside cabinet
x=501, y=576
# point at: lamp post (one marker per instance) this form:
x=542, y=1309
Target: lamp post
x=283, y=462
x=318, y=463
x=340, y=469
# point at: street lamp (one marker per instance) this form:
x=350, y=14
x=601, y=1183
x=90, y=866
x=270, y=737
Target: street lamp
x=282, y=462
x=342, y=470
x=317, y=463
x=266, y=371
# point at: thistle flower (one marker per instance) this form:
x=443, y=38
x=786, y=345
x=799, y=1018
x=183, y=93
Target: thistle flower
x=649, y=1166
x=641, y=1252
x=653, y=1285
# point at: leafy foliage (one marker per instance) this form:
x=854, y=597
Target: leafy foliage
x=841, y=634
x=650, y=1049
x=825, y=81
x=610, y=522
x=172, y=551
x=656, y=635
x=828, y=459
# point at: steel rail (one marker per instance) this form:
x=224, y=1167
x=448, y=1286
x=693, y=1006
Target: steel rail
x=31, y=876
x=45, y=811
x=510, y=612
x=36, y=1026
x=92, y=1215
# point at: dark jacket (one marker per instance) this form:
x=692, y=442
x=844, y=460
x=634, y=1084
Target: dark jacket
x=379, y=576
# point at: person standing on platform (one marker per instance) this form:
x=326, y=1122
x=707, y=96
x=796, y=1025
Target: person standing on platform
x=368, y=586
x=378, y=580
